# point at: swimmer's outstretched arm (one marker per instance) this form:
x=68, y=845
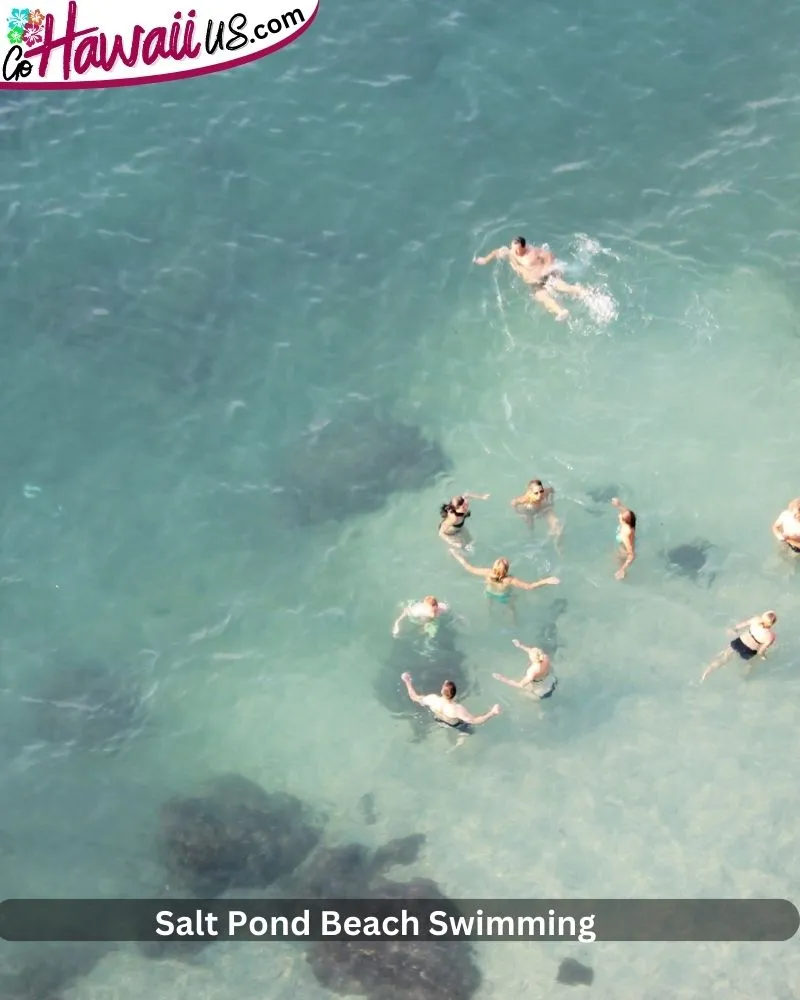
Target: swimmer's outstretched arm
x=548, y=581
x=476, y=720
x=507, y=680
x=499, y=252
x=468, y=566
x=412, y=693
x=476, y=496
x=522, y=646
x=396, y=626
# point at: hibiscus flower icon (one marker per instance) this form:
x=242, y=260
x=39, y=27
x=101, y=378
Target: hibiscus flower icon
x=15, y=36
x=18, y=19
x=33, y=34
x=36, y=17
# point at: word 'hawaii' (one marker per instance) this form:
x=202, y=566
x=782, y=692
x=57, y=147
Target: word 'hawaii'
x=90, y=48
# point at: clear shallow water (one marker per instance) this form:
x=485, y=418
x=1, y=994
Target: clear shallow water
x=301, y=230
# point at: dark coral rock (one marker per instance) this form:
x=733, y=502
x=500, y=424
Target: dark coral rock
x=233, y=834
x=353, y=464
x=691, y=560
x=398, y=970
x=50, y=971
x=572, y=973
x=348, y=872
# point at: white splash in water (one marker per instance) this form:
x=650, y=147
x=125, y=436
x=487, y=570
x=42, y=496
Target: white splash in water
x=601, y=305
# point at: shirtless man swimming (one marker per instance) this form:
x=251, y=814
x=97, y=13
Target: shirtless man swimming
x=537, y=268
x=445, y=708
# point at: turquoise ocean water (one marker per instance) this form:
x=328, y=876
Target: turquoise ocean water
x=196, y=277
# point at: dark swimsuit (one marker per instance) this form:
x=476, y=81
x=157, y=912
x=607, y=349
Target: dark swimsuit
x=459, y=524
x=465, y=727
x=743, y=649
x=793, y=547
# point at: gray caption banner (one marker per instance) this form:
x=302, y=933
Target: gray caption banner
x=584, y=920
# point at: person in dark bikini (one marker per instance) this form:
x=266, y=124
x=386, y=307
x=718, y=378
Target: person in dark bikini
x=446, y=709
x=755, y=638
x=454, y=515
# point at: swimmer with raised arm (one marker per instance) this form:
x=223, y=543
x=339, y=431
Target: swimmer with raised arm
x=625, y=538
x=500, y=585
x=539, y=681
x=423, y=613
x=446, y=709
x=538, y=268
x=454, y=514
x=755, y=637
x=787, y=528
x=536, y=501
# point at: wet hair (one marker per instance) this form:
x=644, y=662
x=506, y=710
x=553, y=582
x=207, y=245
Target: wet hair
x=430, y=600
x=500, y=569
x=628, y=517
x=770, y=617
x=449, y=690
x=452, y=508
x=520, y=241
x=535, y=482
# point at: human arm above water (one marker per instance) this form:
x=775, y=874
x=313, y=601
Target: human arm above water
x=548, y=581
x=475, y=720
x=468, y=566
x=413, y=694
x=396, y=626
x=497, y=254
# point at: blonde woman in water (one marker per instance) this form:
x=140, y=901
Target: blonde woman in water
x=539, y=681
x=752, y=638
x=500, y=585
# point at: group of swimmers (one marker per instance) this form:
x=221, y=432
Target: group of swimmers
x=751, y=638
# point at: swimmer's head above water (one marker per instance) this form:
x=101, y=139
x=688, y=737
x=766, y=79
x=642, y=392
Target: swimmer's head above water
x=457, y=505
x=500, y=568
x=768, y=619
x=448, y=690
x=535, y=488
